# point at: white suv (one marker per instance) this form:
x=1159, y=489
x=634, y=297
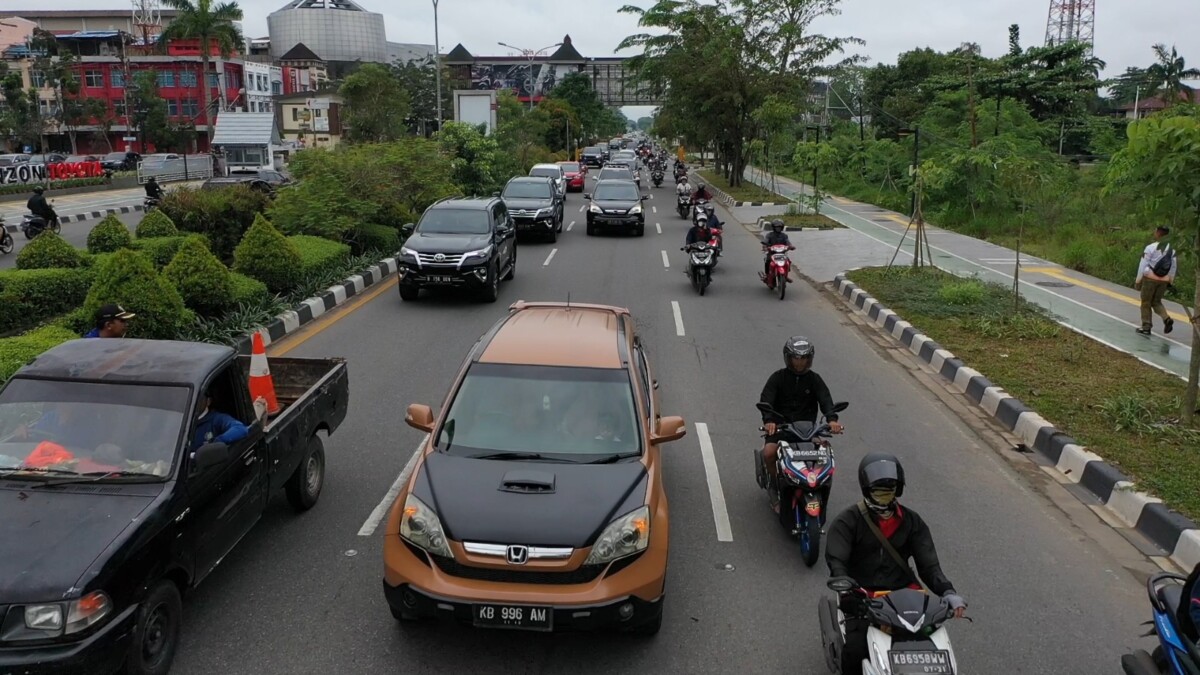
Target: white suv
x=555, y=173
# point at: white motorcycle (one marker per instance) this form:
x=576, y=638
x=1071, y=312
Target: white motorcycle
x=905, y=635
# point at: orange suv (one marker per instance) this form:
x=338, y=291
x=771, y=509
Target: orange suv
x=537, y=502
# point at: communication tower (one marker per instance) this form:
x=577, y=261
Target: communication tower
x=147, y=21
x=1071, y=21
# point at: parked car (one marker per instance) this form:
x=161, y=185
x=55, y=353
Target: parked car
x=115, y=502
x=616, y=204
x=537, y=501
x=534, y=206
x=575, y=174
x=553, y=172
x=48, y=158
x=120, y=161
x=459, y=242
x=263, y=180
x=13, y=160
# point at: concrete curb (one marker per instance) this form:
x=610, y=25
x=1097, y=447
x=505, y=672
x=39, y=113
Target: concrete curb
x=309, y=310
x=1170, y=530
x=90, y=215
x=728, y=201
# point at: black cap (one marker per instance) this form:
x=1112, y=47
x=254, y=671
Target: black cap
x=110, y=312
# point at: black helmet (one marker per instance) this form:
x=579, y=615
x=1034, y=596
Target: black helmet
x=878, y=475
x=777, y=225
x=798, y=347
x=38, y=189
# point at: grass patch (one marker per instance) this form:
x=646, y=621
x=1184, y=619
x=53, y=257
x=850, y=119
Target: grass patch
x=746, y=192
x=799, y=220
x=1119, y=407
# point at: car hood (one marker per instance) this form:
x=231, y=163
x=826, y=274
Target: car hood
x=52, y=537
x=528, y=204
x=473, y=503
x=615, y=204
x=446, y=243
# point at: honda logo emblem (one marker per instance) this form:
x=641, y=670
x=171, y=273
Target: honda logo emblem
x=517, y=555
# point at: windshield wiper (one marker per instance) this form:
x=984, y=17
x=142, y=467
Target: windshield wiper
x=515, y=456
x=615, y=457
x=93, y=476
x=38, y=470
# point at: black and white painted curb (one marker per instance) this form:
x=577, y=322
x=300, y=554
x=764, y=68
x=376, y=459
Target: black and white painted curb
x=730, y=201
x=90, y=215
x=309, y=310
x=762, y=227
x=1169, y=530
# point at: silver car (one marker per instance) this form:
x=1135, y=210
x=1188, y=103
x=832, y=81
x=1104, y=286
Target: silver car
x=555, y=173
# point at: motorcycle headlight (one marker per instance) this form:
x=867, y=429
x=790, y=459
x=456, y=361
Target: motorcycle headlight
x=481, y=253
x=408, y=254
x=421, y=527
x=595, y=209
x=623, y=537
x=635, y=210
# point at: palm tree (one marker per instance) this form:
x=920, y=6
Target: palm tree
x=1168, y=74
x=207, y=22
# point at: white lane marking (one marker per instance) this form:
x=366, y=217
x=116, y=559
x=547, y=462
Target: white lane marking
x=658, y=227
x=550, y=257
x=654, y=209
x=678, y=317
x=581, y=208
x=666, y=261
x=376, y=517
x=715, y=493
x=570, y=226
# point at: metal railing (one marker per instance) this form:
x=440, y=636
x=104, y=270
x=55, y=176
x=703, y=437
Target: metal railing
x=182, y=167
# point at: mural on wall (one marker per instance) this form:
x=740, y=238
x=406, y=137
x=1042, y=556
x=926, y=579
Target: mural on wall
x=514, y=76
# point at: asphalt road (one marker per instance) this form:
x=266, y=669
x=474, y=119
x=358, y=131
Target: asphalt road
x=302, y=594
x=75, y=233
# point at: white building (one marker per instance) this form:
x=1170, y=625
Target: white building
x=263, y=81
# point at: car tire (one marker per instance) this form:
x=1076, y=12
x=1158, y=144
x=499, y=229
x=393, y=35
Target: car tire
x=491, y=292
x=553, y=235
x=409, y=293
x=591, y=230
x=512, y=267
x=650, y=628
x=640, y=230
x=155, y=636
x=558, y=227
x=304, y=486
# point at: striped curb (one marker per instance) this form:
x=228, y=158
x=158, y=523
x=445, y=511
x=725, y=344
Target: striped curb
x=309, y=310
x=728, y=201
x=1168, y=529
x=762, y=227
x=90, y=215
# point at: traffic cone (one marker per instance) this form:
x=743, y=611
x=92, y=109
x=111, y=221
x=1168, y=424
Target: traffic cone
x=261, y=384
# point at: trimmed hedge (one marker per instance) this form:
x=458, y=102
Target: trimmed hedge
x=246, y=290
x=20, y=350
x=318, y=255
x=49, y=250
x=109, y=235
x=78, y=321
x=156, y=224
x=370, y=237
x=201, y=279
x=268, y=256
x=28, y=297
x=161, y=250
x=223, y=215
x=128, y=279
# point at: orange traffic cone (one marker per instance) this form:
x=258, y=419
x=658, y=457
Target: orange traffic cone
x=261, y=384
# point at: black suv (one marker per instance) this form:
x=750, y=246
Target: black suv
x=534, y=206
x=593, y=156
x=616, y=204
x=459, y=243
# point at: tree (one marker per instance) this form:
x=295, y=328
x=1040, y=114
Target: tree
x=595, y=120
x=1162, y=160
x=479, y=165
x=20, y=118
x=557, y=118
x=420, y=81
x=149, y=114
x=376, y=106
x=212, y=24
x=1125, y=87
x=1168, y=74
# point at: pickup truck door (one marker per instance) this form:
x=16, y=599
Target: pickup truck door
x=228, y=500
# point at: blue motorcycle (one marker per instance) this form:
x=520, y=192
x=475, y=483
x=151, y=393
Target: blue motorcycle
x=1176, y=653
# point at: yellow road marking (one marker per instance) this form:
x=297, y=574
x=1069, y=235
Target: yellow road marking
x=300, y=338
x=1059, y=274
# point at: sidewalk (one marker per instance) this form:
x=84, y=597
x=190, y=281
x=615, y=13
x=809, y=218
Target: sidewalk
x=86, y=206
x=1103, y=311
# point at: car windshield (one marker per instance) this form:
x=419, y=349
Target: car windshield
x=66, y=428
x=618, y=174
x=528, y=190
x=455, y=221
x=570, y=166
x=591, y=151
x=547, y=172
x=617, y=192
x=115, y=156
x=549, y=410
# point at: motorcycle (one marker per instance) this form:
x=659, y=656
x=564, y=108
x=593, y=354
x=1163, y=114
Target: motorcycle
x=33, y=225
x=803, y=478
x=150, y=203
x=657, y=177
x=699, y=206
x=906, y=631
x=6, y=239
x=779, y=267
x=683, y=203
x=1176, y=653
x=701, y=258
x=717, y=241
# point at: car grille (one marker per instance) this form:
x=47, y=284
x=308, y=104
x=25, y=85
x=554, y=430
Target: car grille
x=584, y=574
x=453, y=259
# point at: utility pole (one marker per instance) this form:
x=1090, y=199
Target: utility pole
x=437, y=63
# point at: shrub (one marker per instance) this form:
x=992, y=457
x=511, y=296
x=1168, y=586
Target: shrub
x=109, y=235
x=79, y=321
x=223, y=215
x=318, y=255
x=373, y=238
x=49, y=250
x=962, y=293
x=245, y=290
x=156, y=224
x=161, y=250
x=201, y=279
x=28, y=297
x=268, y=256
x=18, y=351
x=128, y=278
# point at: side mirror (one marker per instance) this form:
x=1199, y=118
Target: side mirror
x=495, y=194
x=645, y=197
x=765, y=407
x=419, y=417
x=587, y=196
x=841, y=584
x=839, y=407
x=407, y=228
x=209, y=455
x=667, y=429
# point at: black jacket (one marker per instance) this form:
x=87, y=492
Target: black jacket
x=154, y=191
x=852, y=550
x=771, y=238
x=38, y=206
x=797, y=397
x=696, y=234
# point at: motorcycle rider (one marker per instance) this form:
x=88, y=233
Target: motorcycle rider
x=776, y=237
x=795, y=392
x=698, y=232
x=153, y=189
x=701, y=193
x=852, y=550
x=38, y=206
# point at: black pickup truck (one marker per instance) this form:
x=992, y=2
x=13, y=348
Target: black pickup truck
x=112, y=505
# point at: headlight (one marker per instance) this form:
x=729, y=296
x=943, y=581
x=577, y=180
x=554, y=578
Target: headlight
x=421, y=527
x=481, y=253
x=595, y=209
x=635, y=210
x=86, y=611
x=43, y=617
x=543, y=212
x=624, y=536
x=406, y=252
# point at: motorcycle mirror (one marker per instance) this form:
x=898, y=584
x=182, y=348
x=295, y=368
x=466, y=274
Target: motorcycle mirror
x=765, y=407
x=841, y=584
x=840, y=406
x=644, y=197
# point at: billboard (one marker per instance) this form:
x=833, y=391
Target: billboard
x=476, y=107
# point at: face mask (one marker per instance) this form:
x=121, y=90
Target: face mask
x=883, y=496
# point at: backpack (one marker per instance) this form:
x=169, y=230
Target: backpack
x=1163, y=267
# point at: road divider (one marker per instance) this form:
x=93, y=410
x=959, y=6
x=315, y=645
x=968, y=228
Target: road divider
x=712, y=475
x=550, y=257
x=372, y=522
x=678, y=318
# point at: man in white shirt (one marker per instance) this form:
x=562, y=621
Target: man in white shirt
x=1153, y=286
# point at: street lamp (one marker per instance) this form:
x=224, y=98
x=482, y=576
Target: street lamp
x=530, y=54
x=437, y=63
x=916, y=134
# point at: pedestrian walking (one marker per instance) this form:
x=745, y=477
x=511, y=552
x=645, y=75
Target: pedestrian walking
x=1156, y=271
x=111, y=322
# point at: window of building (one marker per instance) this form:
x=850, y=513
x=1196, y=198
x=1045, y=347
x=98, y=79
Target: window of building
x=187, y=78
x=119, y=107
x=117, y=77
x=166, y=78
x=213, y=81
x=191, y=107
x=233, y=81
x=242, y=156
x=93, y=78
x=172, y=108
x=37, y=78
x=277, y=88
x=265, y=106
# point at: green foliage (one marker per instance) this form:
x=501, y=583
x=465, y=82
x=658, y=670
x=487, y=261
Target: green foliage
x=17, y=351
x=595, y=120
x=202, y=280
x=268, y=256
x=128, y=279
x=231, y=326
x=375, y=105
x=246, y=290
x=223, y=215
x=48, y=250
x=29, y=296
x=156, y=224
x=151, y=116
x=109, y=235
x=370, y=237
x=318, y=255
x=962, y=293
x=161, y=250
x=478, y=165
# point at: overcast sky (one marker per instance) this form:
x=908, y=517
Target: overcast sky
x=1125, y=29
